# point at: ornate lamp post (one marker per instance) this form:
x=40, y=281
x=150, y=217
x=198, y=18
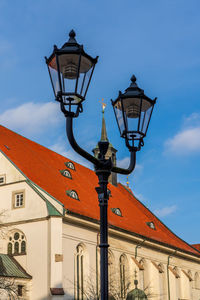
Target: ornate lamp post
x=71, y=69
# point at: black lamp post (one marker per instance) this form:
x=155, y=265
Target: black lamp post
x=70, y=70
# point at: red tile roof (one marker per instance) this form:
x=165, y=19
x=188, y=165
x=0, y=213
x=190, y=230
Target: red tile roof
x=197, y=246
x=42, y=166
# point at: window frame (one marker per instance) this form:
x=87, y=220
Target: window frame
x=20, y=290
x=14, y=194
x=66, y=171
x=68, y=164
x=70, y=192
x=16, y=247
x=4, y=179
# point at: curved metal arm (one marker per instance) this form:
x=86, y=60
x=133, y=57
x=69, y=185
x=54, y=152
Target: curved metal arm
x=75, y=146
x=91, y=158
x=131, y=165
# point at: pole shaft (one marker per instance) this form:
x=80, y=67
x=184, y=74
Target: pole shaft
x=103, y=203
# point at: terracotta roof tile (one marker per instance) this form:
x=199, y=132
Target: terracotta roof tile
x=43, y=166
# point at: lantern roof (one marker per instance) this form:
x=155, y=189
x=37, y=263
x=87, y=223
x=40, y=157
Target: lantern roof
x=133, y=91
x=71, y=47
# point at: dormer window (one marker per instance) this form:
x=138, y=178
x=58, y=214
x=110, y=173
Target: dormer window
x=117, y=211
x=2, y=179
x=73, y=194
x=70, y=165
x=66, y=173
x=151, y=225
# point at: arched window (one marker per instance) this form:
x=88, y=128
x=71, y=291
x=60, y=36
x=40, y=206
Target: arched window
x=17, y=243
x=73, y=194
x=66, y=173
x=23, y=247
x=79, y=272
x=162, y=287
x=10, y=248
x=70, y=165
x=196, y=281
x=178, y=283
x=111, y=275
x=123, y=275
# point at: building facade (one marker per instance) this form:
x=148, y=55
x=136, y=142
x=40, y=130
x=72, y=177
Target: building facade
x=50, y=228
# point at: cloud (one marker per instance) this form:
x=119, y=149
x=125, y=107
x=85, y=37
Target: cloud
x=165, y=211
x=31, y=118
x=187, y=140
x=61, y=148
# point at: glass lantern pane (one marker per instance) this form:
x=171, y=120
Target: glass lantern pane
x=69, y=68
x=147, y=108
x=83, y=82
x=54, y=75
x=132, y=108
x=119, y=116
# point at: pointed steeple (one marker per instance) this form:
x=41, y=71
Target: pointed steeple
x=103, y=128
x=111, y=150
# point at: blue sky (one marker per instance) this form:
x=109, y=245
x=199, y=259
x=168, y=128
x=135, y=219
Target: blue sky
x=158, y=41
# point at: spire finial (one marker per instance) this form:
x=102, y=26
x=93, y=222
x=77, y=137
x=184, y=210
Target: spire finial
x=127, y=182
x=103, y=104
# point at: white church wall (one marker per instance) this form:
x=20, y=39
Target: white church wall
x=35, y=262
x=9, y=170
x=56, y=251
x=155, y=282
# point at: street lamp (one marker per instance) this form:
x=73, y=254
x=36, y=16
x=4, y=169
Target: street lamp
x=71, y=69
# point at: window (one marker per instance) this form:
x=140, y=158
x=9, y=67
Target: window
x=18, y=199
x=151, y=225
x=16, y=244
x=20, y=290
x=123, y=275
x=2, y=179
x=196, y=281
x=79, y=272
x=111, y=270
x=117, y=211
x=73, y=194
x=66, y=173
x=70, y=165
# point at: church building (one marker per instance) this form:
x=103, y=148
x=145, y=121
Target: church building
x=49, y=218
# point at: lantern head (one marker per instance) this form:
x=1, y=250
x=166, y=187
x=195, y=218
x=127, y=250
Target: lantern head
x=133, y=110
x=70, y=69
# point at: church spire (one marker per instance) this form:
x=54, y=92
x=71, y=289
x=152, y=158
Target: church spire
x=103, y=127
x=111, y=150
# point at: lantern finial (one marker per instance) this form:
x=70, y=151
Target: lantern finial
x=72, y=35
x=133, y=78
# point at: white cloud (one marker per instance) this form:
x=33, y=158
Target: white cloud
x=187, y=140
x=165, y=211
x=31, y=118
x=184, y=142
